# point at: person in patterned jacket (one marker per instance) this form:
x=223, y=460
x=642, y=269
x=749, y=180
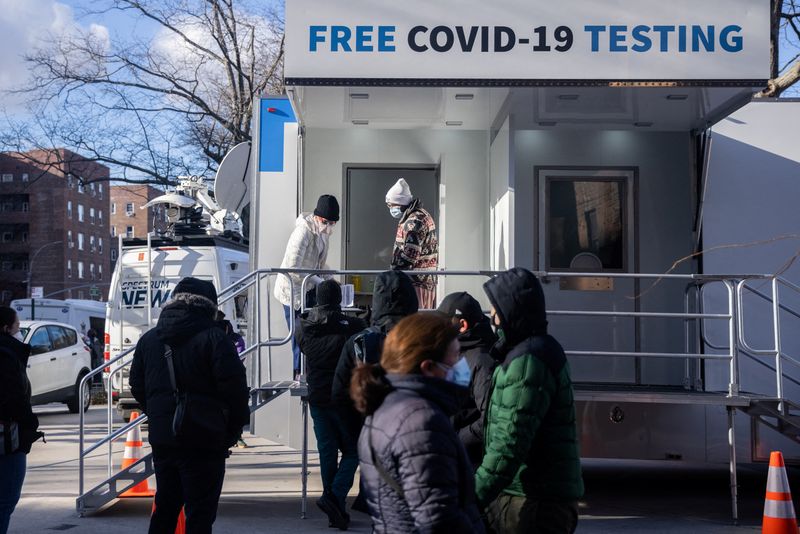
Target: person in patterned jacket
x=416, y=246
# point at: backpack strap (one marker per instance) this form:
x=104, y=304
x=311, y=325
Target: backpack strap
x=382, y=472
x=368, y=345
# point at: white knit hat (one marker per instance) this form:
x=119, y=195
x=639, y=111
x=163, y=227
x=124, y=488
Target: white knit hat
x=399, y=193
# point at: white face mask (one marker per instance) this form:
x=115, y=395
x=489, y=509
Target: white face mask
x=324, y=229
x=18, y=336
x=396, y=211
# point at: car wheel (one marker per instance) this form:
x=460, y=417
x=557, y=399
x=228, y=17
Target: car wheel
x=75, y=403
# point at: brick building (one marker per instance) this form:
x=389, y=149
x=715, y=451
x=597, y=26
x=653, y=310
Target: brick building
x=54, y=225
x=127, y=218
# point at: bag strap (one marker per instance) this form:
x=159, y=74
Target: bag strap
x=384, y=474
x=171, y=367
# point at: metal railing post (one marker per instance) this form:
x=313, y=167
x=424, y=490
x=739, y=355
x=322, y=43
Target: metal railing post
x=733, y=385
x=258, y=331
x=776, y=332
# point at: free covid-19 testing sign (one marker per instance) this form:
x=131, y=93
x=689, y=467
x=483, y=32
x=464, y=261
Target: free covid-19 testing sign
x=526, y=41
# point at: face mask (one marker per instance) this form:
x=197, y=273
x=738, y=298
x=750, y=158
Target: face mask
x=396, y=211
x=460, y=373
x=324, y=229
x=18, y=336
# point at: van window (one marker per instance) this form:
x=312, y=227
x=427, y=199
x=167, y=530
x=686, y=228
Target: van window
x=58, y=336
x=40, y=341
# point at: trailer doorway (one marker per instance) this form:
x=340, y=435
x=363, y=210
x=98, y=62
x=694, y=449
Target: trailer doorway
x=369, y=228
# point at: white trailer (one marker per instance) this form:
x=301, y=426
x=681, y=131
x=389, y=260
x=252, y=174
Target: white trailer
x=585, y=164
x=83, y=315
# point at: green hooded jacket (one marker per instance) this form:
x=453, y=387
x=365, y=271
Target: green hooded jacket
x=531, y=435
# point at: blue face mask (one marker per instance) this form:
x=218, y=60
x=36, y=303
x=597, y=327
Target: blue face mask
x=396, y=211
x=460, y=373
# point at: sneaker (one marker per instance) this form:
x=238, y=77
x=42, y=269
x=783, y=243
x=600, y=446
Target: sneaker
x=336, y=517
x=241, y=444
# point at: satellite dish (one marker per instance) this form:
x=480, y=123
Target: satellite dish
x=232, y=183
x=172, y=198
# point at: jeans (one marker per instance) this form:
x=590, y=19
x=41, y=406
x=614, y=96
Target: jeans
x=510, y=514
x=332, y=437
x=295, y=348
x=188, y=478
x=12, y=475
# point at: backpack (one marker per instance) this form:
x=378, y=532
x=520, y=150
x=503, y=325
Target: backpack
x=368, y=345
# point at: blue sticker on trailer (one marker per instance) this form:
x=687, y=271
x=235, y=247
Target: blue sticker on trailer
x=275, y=113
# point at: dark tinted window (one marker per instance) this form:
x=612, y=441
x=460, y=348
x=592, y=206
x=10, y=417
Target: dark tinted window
x=40, y=341
x=58, y=337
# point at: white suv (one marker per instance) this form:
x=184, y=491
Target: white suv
x=59, y=360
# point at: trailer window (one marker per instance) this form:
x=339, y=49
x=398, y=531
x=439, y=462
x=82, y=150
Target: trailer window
x=586, y=224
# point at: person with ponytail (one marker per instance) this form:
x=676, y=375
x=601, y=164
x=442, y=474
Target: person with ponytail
x=416, y=472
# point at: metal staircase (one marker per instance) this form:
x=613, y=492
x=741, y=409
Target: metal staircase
x=781, y=415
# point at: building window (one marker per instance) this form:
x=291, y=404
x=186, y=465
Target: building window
x=81, y=187
x=24, y=237
x=100, y=216
x=91, y=243
x=129, y=209
x=8, y=237
x=8, y=178
x=80, y=241
x=100, y=245
x=100, y=191
x=69, y=268
x=80, y=270
x=69, y=181
x=69, y=209
x=113, y=208
x=100, y=272
x=129, y=231
x=25, y=206
x=113, y=231
x=92, y=189
x=91, y=215
x=24, y=176
x=70, y=244
x=80, y=212
x=113, y=254
x=91, y=271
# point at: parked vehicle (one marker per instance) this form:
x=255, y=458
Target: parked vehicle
x=82, y=315
x=59, y=360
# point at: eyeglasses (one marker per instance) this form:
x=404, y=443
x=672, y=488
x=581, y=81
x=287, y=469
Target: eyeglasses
x=326, y=222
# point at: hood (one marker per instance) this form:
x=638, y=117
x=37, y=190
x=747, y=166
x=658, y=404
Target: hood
x=447, y=395
x=518, y=299
x=320, y=315
x=18, y=348
x=179, y=322
x=394, y=297
x=480, y=335
x=306, y=220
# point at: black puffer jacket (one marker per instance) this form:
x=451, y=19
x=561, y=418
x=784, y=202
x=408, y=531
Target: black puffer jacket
x=394, y=297
x=321, y=333
x=414, y=442
x=206, y=362
x=15, y=390
x=476, y=345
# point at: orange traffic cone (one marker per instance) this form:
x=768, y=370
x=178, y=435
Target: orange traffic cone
x=180, y=526
x=133, y=453
x=779, y=515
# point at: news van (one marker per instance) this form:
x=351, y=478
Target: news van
x=138, y=293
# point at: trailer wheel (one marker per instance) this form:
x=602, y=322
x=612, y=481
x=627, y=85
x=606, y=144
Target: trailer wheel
x=75, y=403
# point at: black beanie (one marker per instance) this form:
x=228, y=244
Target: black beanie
x=462, y=305
x=327, y=208
x=329, y=293
x=197, y=287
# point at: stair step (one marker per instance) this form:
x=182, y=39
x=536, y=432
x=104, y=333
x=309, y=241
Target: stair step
x=109, y=490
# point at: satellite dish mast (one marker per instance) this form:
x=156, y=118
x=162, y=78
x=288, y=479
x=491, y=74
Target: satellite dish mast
x=232, y=183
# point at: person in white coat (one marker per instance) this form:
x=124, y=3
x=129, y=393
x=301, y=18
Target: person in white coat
x=307, y=249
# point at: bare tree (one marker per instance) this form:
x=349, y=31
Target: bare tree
x=785, y=30
x=152, y=109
